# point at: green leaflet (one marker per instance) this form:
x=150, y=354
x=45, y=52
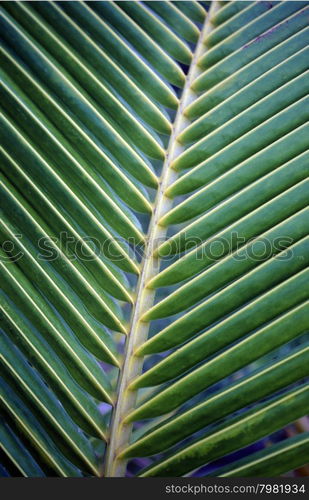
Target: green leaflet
x=249, y=12
x=264, y=85
x=73, y=98
x=156, y=57
x=180, y=23
x=166, y=38
x=42, y=400
x=253, y=49
x=233, y=296
x=228, y=11
x=220, y=162
x=78, y=403
x=99, y=60
x=251, y=169
x=107, y=276
x=29, y=425
x=223, y=216
x=233, y=266
x=266, y=62
x=83, y=145
x=250, y=30
x=192, y=10
x=63, y=195
x=94, y=87
x=239, y=394
x=242, y=431
x=277, y=460
x=267, y=108
x=31, y=303
x=18, y=453
x=226, y=363
x=145, y=77
x=275, y=182
x=261, y=310
x=103, y=310
x=66, y=164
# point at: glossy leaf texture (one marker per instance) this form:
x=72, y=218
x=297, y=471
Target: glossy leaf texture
x=154, y=235
x=84, y=125
x=233, y=278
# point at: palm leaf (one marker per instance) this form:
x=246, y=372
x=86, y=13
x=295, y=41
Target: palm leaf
x=153, y=178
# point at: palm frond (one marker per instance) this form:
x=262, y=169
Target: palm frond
x=153, y=183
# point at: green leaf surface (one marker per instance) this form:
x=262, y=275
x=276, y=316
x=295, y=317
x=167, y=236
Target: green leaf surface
x=153, y=237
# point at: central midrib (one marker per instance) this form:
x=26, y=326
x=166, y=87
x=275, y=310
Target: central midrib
x=138, y=333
